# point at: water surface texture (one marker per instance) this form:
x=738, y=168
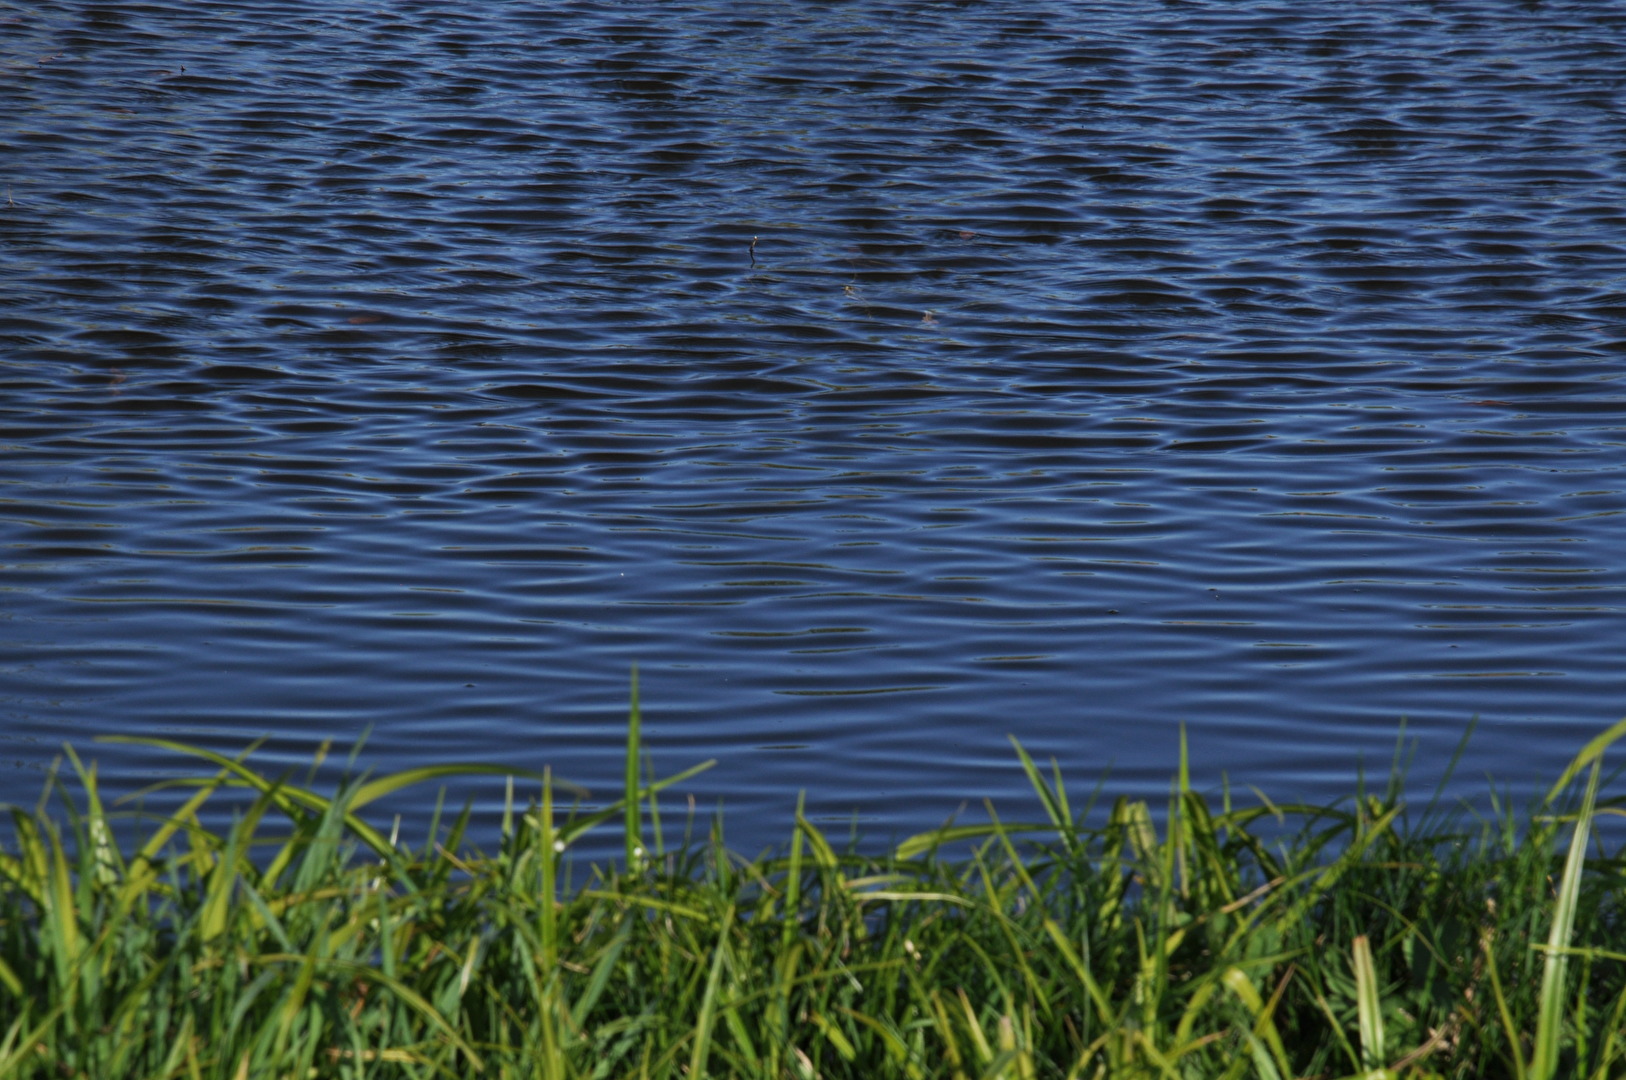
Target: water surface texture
x=1097, y=367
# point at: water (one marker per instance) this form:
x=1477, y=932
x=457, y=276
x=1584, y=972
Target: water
x=1097, y=367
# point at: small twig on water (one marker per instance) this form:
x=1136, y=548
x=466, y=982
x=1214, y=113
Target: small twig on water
x=850, y=290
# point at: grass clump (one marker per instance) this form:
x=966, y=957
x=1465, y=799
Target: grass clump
x=1350, y=940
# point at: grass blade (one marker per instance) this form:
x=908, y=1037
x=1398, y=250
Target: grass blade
x=1549, y=1020
x=1368, y=1010
x=629, y=798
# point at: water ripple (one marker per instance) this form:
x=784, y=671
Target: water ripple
x=883, y=377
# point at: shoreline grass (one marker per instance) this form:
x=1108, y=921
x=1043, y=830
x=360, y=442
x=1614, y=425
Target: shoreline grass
x=1350, y=940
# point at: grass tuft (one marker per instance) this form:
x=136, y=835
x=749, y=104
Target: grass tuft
x=1274, y=941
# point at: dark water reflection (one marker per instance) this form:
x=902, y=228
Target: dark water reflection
x=1101, y=367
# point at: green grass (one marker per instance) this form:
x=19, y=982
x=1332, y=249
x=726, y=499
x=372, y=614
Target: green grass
x=1358, y=939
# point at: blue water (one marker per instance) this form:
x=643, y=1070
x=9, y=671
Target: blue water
x=410, y=368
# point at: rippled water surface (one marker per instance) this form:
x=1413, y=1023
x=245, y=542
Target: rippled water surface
x=1097, y=367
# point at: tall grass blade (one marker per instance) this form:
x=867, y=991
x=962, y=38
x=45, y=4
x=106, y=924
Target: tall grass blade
x=629, y=798
x=1590, y=753
x=1550, y=1018
x=1368, y=1008
x=708, y=1002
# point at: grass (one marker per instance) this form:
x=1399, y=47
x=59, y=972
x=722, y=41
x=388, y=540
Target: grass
x=1358, y=939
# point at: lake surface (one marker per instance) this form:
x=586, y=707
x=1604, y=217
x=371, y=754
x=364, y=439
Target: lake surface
x=1097, y=367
